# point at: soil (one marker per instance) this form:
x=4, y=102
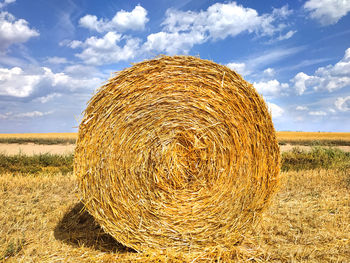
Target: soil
x=289, y=147
x=31, y=148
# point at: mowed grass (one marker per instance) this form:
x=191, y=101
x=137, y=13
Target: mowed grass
x=293, y=138
x=42, y=220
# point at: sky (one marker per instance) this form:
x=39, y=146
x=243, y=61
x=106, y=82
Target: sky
x=55, y=54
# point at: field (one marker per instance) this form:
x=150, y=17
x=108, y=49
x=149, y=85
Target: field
x=314, y=138
x=42, y=219
x=284, y=137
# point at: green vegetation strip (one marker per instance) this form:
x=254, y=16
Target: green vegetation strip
x=51, y=141
x=47, y=141
x=318, y=157
x=296, y=160
x=50, y=163
x=315, y=142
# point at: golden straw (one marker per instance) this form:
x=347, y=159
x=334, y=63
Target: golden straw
x=177, y=152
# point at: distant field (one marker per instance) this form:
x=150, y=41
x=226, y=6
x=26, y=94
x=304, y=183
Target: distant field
x=287, y=135
x=314, y=138
x=67, y=135
x=284, y=138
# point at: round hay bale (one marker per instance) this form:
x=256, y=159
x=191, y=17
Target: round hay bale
x=177, y=152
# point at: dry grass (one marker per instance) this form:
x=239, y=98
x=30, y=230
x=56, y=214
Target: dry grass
x=308, y=221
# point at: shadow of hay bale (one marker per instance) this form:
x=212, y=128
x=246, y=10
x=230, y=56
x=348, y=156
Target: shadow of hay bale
x=78, y=228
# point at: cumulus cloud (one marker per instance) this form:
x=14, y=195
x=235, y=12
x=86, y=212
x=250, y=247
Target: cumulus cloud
x=223, y=20
x=327, y=12
x=330, y=78
x=270, y=72
x=15, y=83
x=122, y=21
x=18, y=83
x=181, y=30
x=30, y=114
x=105, y=50
x=276, y=111
x=172, y=43
x=14, y=31
x=343, y=104
x=219, y=21
x=271, y=87
x=300, y=82
x=240, y=68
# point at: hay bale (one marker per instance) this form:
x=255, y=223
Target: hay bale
x=176, y=152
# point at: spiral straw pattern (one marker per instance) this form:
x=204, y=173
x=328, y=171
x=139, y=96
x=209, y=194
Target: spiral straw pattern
x=177, y=152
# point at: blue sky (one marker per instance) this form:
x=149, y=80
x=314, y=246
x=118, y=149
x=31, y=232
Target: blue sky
x=55, y=54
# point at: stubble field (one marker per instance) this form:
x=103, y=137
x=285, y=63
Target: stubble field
x=42, y=219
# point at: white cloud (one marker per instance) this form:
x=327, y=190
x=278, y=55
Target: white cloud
x=57, y=60
x=48, y=98
x=13, y=82
x=172, y=43
x=327, y=12
x=330, y=78
x=105, y=50
x=6, y=2
x=276, y=111
x=270, y=72
x=271, y=87
x=343, y=104
x=73, y=44
x=30, y=114
x=301, y=108
x=14, y=31
x=183, y=29
x=122, y=21
x=317, y=113
x=16, y=82
x=240, y=68
x=288, y=35
x=300, y=82
x=223, y=20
